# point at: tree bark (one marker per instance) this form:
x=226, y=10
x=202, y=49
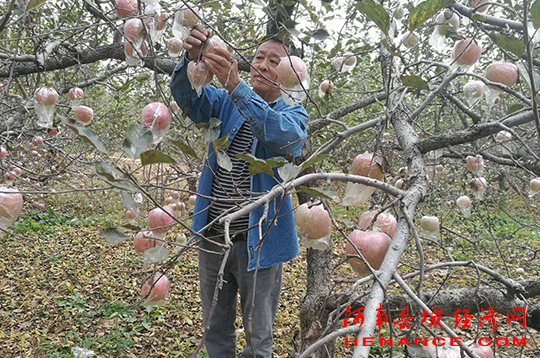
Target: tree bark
x=313, y=315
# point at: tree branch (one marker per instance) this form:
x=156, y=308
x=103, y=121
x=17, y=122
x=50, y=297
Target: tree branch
x=491, y=20
x=283, y=188
x=107, y=52
x=462, y=107
x=340, y=112
x=475, y=132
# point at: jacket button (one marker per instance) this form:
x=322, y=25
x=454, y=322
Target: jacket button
x=234, y=129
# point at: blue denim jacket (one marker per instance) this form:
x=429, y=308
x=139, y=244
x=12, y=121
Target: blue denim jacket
x=277, y=130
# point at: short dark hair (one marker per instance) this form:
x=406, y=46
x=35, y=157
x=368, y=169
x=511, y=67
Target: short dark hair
x=287, y=44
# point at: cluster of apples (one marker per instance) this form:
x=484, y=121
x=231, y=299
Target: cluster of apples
x=45, y=101
x=197, y=72
x=160, y=221
x=135, y=30
x=313, y=224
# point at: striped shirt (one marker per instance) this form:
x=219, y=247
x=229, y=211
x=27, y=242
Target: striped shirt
x=232, y=188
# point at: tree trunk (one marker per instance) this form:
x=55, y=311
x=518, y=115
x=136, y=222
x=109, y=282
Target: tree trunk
x=313, y=314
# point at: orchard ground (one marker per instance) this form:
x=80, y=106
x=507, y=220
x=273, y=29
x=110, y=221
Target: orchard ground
x=65, y=286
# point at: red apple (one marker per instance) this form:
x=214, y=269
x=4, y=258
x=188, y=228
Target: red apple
x=125, y=8
x=291, y=71
x=373, y=246
x=505, y=73
x=160, y=289
x=466, y=52
x=312, y=223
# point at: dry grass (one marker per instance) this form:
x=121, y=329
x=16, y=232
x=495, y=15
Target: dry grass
x=64, y=286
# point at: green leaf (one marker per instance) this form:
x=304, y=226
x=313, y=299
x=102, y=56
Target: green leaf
x=188, y=320
x=130, y=203
x=91, y=137
x=111, y=174
x=256, y=165
x=219, y=24
x=293, y=31
x=211, y=134
x=288, y=23
x=375, y=13
x=34, y=3
x=114, y=176
x=214, y=5
x=156, y=254
x=535, y=14
x=184, y=148
x=214, y=122
x=154, y=156
x=414, y=82
x=537, y=100
x=223, y=160
x=276, y=161
x=417, y=352
x=288, y=172
x=211, y=129
x=516, y=46
x=138, y=139
x=85, y=133
x=452, y=35
x=132, y=227
x=259, y=167
x=247, y=157
x=314, y=160
x=281, y=9
x=425, y=11
x=320, y=192
x=221, y=143
x=347, y=222
x=320, y=34
x=525, y=74
x=514, y=108
x=478, y=17
x=113, y=235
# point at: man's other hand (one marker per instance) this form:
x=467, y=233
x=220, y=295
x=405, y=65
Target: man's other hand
x=220, y=62
x=194, y=41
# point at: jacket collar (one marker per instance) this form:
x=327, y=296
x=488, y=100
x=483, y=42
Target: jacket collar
x=278, y=102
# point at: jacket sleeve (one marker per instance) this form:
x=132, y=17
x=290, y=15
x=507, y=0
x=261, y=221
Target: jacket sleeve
x=198, y=109
x=282, y=131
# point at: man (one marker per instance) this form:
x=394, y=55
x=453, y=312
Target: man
x=258, y=122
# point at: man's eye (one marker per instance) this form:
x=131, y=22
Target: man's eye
x=273, y=62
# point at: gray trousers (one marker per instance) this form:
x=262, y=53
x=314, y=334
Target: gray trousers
x=220, y=340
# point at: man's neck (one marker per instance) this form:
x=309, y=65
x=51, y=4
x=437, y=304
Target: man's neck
x=269, y=99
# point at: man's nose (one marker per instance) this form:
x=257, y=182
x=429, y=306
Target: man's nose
x=263, y=65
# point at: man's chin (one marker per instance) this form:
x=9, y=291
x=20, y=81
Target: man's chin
x=260, y=86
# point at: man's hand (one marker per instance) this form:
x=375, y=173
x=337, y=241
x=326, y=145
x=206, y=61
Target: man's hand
x=220, y=62
x=194, y=41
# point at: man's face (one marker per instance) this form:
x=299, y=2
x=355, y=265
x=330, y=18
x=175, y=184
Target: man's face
x=266, y=61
